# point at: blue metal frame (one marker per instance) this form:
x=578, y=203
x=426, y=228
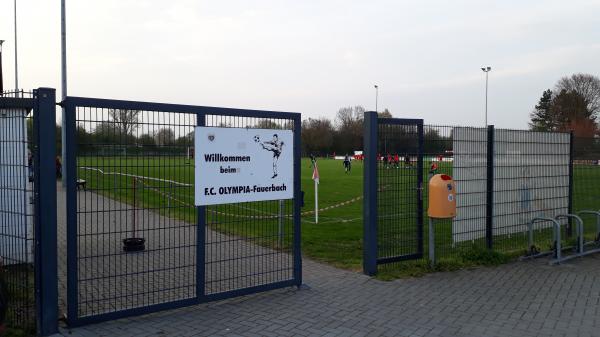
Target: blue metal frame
x=419, y=188
x=70, y=162
x=570, y=205
x=297, y=200
x=370, y=193
x=420, y=210
x=201, y=237
x=182, y=108
x=201, y=112
x=12, y=103
x=489, y=218
x=370, y=216
x=46, y=262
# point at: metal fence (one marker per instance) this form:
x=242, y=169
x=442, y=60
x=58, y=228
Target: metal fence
x=17, y=187
x=504, y=179
x=586, y=178
x=28, y=210
x=130, y=170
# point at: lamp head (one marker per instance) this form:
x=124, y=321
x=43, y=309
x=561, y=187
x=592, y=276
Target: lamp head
x=489, y=68
x=376, y=86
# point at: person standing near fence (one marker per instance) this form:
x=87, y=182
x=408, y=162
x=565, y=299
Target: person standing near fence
x=347, y=164
x=432, y=170
x=30, y=166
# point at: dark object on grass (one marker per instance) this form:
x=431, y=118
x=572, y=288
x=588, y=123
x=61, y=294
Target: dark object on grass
x=80, y=183
x=134, y=244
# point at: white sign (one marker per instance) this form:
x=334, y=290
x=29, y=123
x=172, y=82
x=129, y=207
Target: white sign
x=241, y=165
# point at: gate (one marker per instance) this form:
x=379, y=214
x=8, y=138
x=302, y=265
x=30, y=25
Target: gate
x=130, y=175
x=393, y=190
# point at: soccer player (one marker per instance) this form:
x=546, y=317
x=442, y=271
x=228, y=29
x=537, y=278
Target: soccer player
x=347, y=164
x=275, y=146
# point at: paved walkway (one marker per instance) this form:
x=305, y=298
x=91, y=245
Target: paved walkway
x=517, y=299
x=110, y=280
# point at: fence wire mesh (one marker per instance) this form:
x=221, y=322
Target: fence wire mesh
x=531, y=179
x=135, y=181
x=399, y=231
x=248, y=244
x=529, y=173
x=460, y=152
x=18, y=162
x=586, y=181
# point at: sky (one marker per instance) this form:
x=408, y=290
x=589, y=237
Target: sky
x=312, y=57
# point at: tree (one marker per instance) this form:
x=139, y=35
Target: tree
x=317, y=136
x=574, y=105
x=349, y=125
x=164, y=137
x=541, y=119
x=146, y=140
x=126, y=119
x=267, y=124
x=586, y=85
x=384, y=114
x=570, y=111
x=435, y=143
x=186, y=140
x=105, y=133
x=85, y=140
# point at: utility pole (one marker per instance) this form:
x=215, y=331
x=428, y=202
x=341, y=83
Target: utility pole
x=376, y=96
x=16, y=59
x=486, y=70
x=63, y=43
x=1, y=77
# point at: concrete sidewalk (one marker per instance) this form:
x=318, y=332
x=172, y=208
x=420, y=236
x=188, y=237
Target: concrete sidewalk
x=517, y=299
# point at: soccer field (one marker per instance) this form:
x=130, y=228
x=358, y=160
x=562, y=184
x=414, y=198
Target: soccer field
x=167, y=180
x=336, y=239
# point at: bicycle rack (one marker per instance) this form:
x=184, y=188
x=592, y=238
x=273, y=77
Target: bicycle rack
x=579, y=244
x=533, y=252
x=597, y=213
x=557, y=249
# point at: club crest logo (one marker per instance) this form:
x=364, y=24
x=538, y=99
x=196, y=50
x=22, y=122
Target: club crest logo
x=211, y=137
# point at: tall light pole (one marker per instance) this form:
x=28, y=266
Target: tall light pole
x=376, y=96
x=1, y=77
x=63, y=44
x=16, y=62
x=486, y=70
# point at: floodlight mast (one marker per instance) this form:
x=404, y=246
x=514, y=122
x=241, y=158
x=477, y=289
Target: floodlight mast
x=63, y=44
x=1, y=76
x=486, y=70
x=376, y=96
x=16, y=58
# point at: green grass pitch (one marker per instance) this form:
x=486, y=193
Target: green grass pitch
x=336, y=239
